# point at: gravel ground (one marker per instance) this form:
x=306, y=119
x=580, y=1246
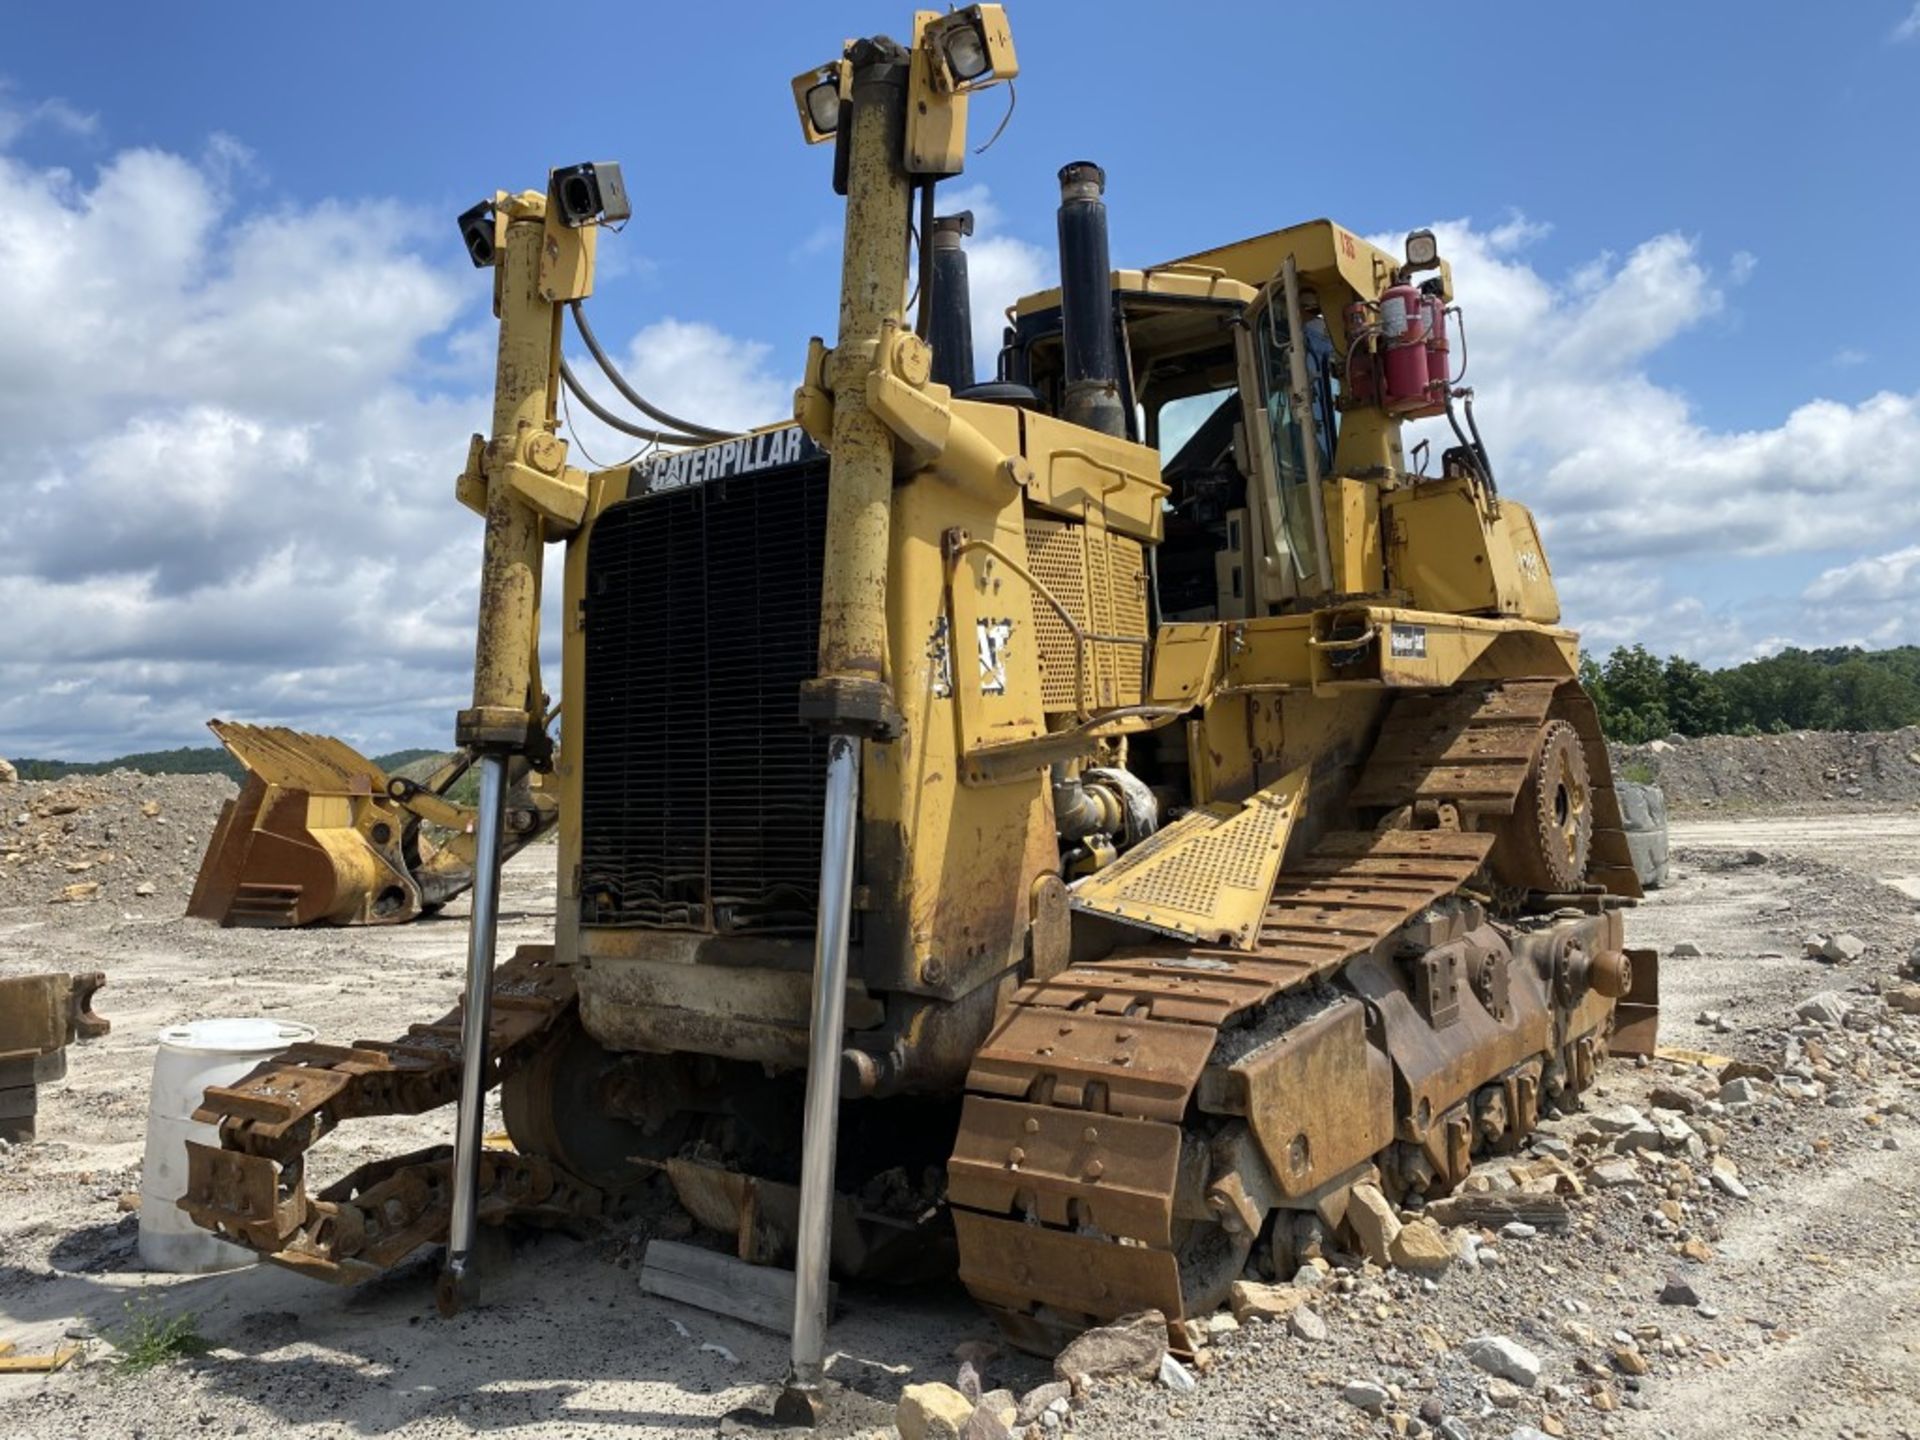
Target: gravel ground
x=1810, y=1313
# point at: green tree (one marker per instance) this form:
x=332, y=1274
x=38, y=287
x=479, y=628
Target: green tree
x=1694, y=701
x=1636, y=695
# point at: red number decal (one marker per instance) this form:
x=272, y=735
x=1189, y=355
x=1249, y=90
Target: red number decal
x=1346, y=245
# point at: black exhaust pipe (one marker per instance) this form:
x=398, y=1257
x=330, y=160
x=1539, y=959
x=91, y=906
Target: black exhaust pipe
x=950, y=328
x=1092, y=356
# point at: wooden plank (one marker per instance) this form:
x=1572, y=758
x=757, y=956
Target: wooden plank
x=11, y=1364
x=760, y=1295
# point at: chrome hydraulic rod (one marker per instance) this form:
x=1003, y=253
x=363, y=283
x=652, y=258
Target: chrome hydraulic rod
x=459, y=1282
x=820, y=1136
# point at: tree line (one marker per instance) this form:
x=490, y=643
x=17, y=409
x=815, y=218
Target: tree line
x=1643, y=697
x=187, y=760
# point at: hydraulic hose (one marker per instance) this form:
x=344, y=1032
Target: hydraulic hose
x=633, y=396
x=1479, y=446
x=607, y=417
x=1475, y=451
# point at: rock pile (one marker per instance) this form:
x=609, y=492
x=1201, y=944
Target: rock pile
x=120, y=838
x=1801, y=768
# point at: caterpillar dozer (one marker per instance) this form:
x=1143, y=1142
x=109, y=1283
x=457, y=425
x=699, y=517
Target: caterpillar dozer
x=1078, y=824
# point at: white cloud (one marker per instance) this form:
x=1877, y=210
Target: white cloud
x=1871, y=580
x=228, y=436
x=17, y=117
x=1908, y=28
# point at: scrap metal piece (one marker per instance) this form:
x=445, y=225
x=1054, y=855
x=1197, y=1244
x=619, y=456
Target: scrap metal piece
x=1636, y=1015
x=252, y=1191
x=40, y=1015
x=1206, y=876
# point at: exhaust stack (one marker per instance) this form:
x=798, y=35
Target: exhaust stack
x=950, y=330
x=1092, y=358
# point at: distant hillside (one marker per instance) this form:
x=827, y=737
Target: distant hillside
x=188, y=760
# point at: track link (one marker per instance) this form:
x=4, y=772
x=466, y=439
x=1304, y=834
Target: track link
x=251, y=1188
x=1072, y=1179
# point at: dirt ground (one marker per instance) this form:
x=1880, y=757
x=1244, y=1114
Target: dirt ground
x=1809, y=1319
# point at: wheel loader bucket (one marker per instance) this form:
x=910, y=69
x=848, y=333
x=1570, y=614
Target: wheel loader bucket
x=311, y=837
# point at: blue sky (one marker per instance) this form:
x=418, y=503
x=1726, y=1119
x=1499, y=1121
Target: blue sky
x=240, y=285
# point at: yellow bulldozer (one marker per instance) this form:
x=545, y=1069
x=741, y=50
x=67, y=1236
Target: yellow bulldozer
x=1078, y=824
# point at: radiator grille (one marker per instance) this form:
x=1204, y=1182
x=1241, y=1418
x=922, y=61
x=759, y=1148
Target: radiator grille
x=700, y=790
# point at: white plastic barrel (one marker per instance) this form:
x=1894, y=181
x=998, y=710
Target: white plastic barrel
x=192, y=1057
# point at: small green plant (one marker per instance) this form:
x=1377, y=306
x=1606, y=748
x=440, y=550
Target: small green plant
x=149, y=1339
x=1639, y=772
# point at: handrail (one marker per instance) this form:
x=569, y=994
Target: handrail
x=1082, y=636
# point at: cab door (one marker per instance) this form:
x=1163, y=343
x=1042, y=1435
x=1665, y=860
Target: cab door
x=1289, y=443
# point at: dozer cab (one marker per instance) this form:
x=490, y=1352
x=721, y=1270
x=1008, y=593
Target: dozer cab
x=1128, y=800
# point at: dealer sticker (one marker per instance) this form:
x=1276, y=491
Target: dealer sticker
x=1409, y=642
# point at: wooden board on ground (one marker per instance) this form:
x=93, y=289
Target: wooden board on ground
x=12, y=1364
x=723, y=1284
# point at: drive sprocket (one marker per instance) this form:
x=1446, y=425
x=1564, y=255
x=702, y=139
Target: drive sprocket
x=1548, y=841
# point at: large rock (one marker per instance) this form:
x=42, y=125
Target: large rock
x=1133, y=1345
x=8, y=775
x=1036, y=1401
x=1175, y=1376
x=1607, y=1174
x=1253, y=1301
x=1367, y=1394
x=1304, y=1324
x=1828, y=1008
x=1842, y=948
x=932, y=1412
x=1741, y=1092
x=1499, y=1355
x=1620, y=1120
x=1678, y=1290
x=1374, y=1223
x=1001, y=1405
x=1422, y=1247
x=1676, y=1097
x=1725, y=1177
